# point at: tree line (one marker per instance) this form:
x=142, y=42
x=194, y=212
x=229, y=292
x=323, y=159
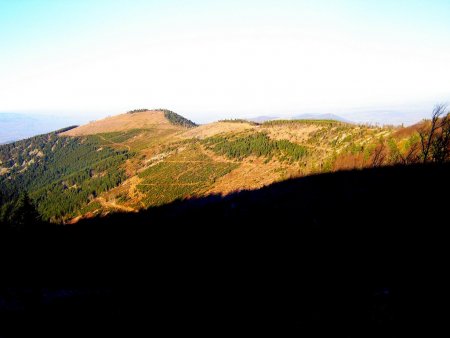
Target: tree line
x=259, y=145
x=59, y=174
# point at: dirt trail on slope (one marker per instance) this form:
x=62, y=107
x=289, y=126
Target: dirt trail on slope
x=113, y=205
x=116, y=144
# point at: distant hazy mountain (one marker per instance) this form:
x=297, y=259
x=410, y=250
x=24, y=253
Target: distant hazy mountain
x=406, y=116
x=320, y=117
x=15, y=127
x=390, y=116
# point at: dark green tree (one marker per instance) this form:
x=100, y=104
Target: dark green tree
x=24, y=214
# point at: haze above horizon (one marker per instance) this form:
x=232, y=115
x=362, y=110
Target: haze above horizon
x=209, y=60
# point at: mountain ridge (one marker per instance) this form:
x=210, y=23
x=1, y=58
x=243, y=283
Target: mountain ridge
x=140, y=159
x=333, y=117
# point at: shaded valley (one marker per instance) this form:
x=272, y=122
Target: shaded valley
x=300, y=255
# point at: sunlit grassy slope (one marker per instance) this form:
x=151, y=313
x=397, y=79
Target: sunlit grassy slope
x=160, y=160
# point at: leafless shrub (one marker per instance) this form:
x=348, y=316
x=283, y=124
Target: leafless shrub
x=379, y=155
x=411, y=156
x=440, y=144
x=434, y=138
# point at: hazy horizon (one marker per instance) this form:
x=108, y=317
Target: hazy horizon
x=381, y=115
x=376, y=61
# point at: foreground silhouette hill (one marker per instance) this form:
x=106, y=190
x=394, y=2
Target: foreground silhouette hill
x=357, y=254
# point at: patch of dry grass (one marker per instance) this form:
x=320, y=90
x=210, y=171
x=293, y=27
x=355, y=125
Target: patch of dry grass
x=142, y=120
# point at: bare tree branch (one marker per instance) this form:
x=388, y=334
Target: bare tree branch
x=427, y=134
x=379, y=155
x=440, y=147
x=411, y=156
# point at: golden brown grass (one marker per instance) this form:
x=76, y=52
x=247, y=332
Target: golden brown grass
x=143, y=120
x=216, y=128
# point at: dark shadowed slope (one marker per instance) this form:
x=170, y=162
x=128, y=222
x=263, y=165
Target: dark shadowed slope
x=351, y=254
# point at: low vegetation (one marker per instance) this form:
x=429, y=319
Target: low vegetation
x=239, y=121
x=272, y=123
x=184, y=174
x=137, y=111
x=121, y=136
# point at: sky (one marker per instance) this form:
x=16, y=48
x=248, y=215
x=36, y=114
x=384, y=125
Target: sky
x=381, y=60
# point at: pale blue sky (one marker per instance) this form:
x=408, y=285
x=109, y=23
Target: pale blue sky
x=216, y=59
